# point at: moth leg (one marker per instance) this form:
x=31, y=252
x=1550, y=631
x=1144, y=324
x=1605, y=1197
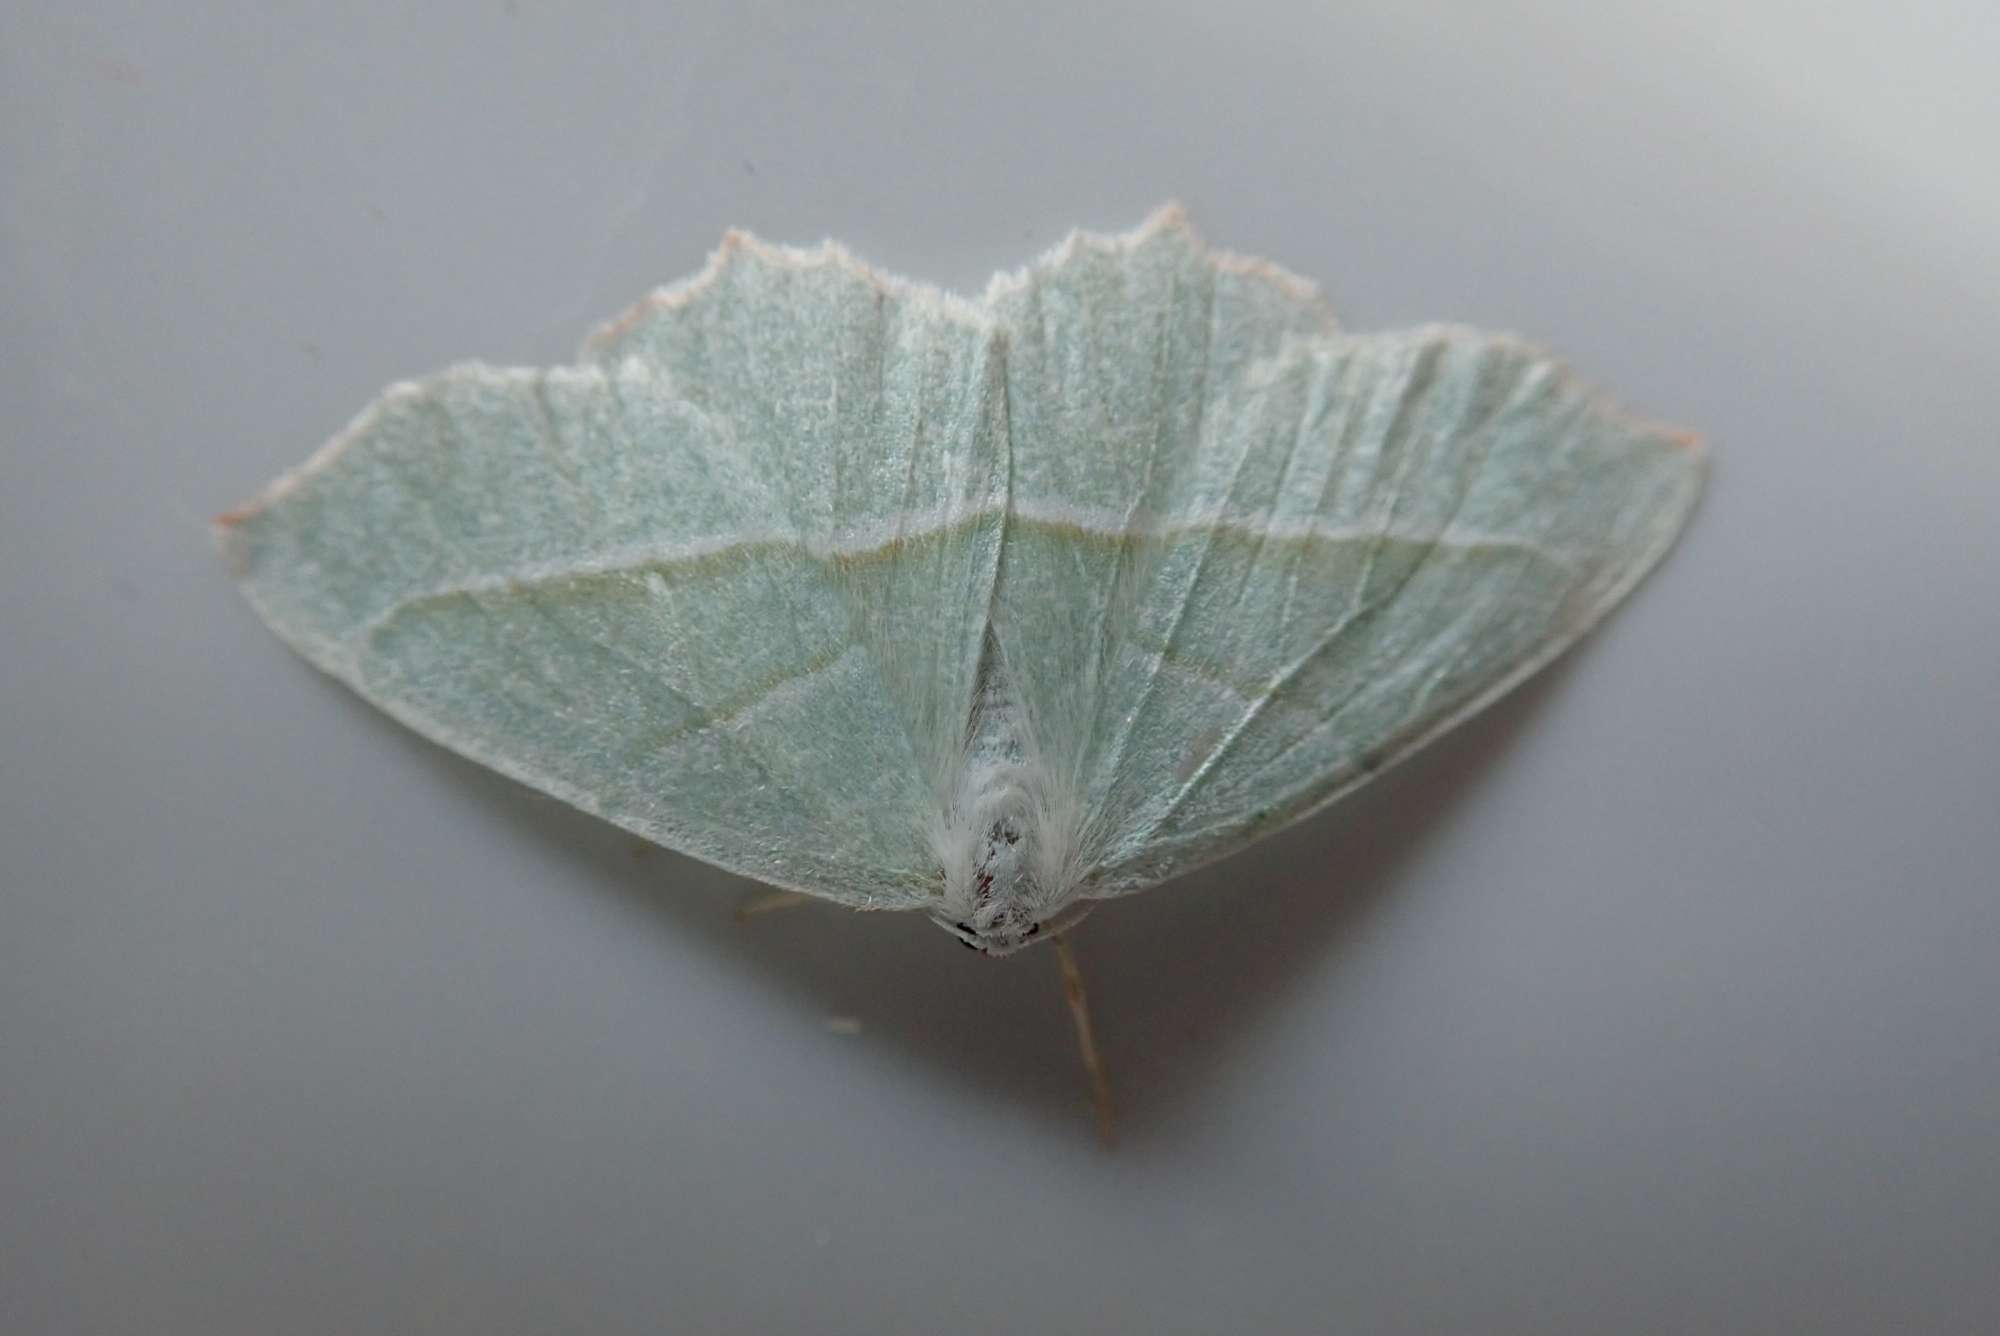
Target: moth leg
x=1086, y=1038
x=767, y=902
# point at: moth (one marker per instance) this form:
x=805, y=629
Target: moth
x=989, y=609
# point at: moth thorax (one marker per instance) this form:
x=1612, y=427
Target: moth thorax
x=993, y=900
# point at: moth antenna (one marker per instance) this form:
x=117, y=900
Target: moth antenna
x=769, y=902
x=1086, y=1040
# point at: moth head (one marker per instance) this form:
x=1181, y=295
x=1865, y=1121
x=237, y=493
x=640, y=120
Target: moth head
x=1005, y=935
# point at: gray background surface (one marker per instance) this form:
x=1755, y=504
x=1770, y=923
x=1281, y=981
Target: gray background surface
x=1663, y=998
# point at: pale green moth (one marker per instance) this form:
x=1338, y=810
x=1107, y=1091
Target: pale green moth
x=990, y=609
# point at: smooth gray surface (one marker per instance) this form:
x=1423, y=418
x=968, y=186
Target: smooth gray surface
x=1664, y=998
